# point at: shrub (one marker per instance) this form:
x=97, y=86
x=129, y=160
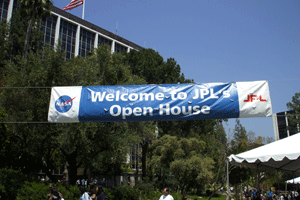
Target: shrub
x=176, y=196
x=69, y=192
x=33, y=190
x=123, y=192
x=145, y=189
x=152, y=195
x=36, y=191
x=108, y=194
x=10, y=182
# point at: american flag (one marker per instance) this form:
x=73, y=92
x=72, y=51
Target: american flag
x=73, y=4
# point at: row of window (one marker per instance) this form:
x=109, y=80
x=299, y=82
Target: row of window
x=4, y=4
x=67, y=34
x=3, y=9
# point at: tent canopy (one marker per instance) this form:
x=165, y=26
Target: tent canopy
x=295, y=180
x=282, y=155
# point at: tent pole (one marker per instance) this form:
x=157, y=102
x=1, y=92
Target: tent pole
x=228, y=190
x=294, y=182
x=277, y=181
x=257, y=178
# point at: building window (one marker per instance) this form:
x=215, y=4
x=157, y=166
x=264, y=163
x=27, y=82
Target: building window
x=3, y=9
x=48, y=28
x=119, y=48
x=86, y=43
x=58, y=171
x=285, y=127
x=68, y=38
x=103, y=40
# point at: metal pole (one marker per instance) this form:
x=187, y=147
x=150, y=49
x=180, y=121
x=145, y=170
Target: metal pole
x=228, y=190
x=83, y=9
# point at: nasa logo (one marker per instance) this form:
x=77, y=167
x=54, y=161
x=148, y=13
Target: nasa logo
x=63, y=104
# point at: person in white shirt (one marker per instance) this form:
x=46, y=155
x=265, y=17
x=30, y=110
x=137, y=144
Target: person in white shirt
x=166, y=195
x=85, y=195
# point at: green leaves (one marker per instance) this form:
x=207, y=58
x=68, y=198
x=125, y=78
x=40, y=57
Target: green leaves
x=184, y=158
x=35, y=8
x=294, y=117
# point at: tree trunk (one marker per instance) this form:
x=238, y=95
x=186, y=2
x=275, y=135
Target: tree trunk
x=136, y=164
x=29, y=30
x=72, y=168
x=144, y=159
x=66, y=180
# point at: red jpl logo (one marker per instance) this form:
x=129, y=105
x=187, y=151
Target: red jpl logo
x=252, y=98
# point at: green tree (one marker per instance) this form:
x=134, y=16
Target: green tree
x=216, y=147
x=10, y=182
x=243, y=141
x=5, y=45
x=294, y=118
x=240, y=138
x=183, y=160
x=25, y=102
x=33, y=11
x=148, y=64
x=45, y=146
x=151, y=66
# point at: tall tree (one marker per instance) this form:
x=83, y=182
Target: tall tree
x=294, y=117
x=151, y=66
x=41, y=145
x=34, y=11
x=243, y=141
x=181, y=161
x=240, y=138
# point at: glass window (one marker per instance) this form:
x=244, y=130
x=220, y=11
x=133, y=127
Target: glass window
x=16, y=5
x=3, y=9
x=67, y=35
x=48, y=27
x=119, y=48
x=86, y=42
x=103, y=40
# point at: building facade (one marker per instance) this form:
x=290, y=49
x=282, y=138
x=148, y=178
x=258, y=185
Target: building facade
x=281, y=123
x=77, y=36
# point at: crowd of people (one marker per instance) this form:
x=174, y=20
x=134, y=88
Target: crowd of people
x=271, y=195
x=87, y=182
x=96, y=193
x=94, y=187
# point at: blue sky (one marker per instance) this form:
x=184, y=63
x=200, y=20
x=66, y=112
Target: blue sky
x=214, y=41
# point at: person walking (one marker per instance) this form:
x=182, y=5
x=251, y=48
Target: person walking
x=166, y=195
x=103, y=183
x=270, y=194
x=85, y=195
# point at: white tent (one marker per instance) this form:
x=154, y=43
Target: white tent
x=294, y=181
x=282, y=154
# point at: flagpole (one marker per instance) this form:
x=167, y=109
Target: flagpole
x=83, y=9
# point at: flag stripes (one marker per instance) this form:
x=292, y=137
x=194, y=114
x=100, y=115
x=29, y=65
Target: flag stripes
x=73, y=4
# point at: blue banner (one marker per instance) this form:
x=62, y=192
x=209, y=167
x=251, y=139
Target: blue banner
x=160, y=102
